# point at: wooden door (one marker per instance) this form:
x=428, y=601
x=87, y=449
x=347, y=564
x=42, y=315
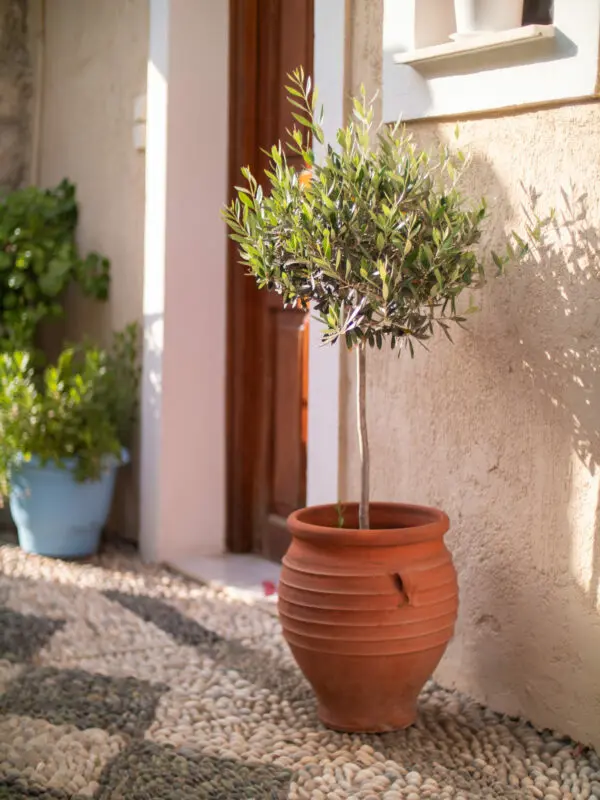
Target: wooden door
x=267, y=365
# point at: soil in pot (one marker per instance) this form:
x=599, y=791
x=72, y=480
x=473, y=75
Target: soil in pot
x=368, y=614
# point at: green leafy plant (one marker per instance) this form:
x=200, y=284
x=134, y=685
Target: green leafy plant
x=39, y=258
x=82, y=408
x=377, y=236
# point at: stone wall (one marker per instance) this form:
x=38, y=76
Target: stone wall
x=15, y=93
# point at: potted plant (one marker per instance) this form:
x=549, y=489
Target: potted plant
x=474, y=17
x=39, y=258
x=64, y=433
x=379, y=240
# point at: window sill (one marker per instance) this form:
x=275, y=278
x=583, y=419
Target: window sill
x=446, y=54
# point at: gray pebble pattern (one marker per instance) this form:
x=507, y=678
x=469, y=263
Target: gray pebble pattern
x=147, y=770
x=14, y=790
x=75, y=697
x=252, y=665
x=184, y=630
x=120, y=681
x=23, y=635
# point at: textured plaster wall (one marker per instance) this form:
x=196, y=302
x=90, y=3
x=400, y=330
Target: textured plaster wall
x=502, y=429
x=363, y=67
x=364, y=35
x=95, y=65
x=15, y=93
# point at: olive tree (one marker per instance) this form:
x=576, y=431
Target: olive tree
x=376, y=236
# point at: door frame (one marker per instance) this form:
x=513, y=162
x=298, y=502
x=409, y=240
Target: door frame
x=255, y=119
x=245, y=440
x=324, y=363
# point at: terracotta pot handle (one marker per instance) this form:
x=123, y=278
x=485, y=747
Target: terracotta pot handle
x=399, y=584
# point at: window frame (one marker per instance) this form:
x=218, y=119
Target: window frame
x=547, y=14
x=564, y=67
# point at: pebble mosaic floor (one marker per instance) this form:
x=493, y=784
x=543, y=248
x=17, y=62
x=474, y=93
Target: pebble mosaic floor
x=125, y=682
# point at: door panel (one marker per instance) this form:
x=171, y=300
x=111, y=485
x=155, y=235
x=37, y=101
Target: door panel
x=268, y=351
x=287, y=467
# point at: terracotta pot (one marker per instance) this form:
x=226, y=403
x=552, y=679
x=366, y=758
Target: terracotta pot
x=368, y=613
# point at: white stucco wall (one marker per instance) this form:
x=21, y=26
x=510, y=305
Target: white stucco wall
x=95, y=64
x=502, y=429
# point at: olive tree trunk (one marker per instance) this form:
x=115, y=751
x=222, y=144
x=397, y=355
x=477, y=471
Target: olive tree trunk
x=363, y=438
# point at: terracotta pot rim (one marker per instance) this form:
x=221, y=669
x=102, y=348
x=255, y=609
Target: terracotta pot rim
x=303, y=524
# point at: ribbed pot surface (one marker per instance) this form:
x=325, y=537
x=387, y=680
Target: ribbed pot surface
x=368, y=614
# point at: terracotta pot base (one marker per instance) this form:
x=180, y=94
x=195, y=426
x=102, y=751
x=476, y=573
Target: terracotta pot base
x=368, y=614
x=361, y=697
x=362, y=707
x=390, y=725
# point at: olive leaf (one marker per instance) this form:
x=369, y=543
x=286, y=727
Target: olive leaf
x=379, y=240
x=381, y=229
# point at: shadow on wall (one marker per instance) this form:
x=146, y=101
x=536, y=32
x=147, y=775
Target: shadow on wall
x=566, y=370
x=554, y=316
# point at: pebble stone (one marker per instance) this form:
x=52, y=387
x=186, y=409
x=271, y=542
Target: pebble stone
x=122, y=681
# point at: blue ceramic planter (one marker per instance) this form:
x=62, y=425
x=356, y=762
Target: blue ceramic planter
x=57, y=516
